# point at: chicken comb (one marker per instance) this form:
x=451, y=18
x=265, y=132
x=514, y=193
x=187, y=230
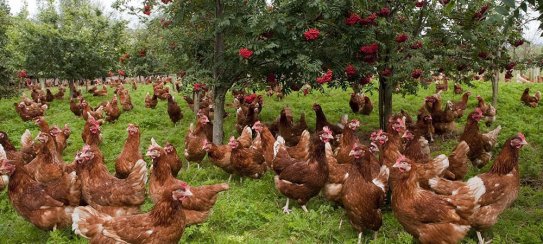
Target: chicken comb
x=355, y=121
x=402, y=158
x=521, y=136
x=232, y=138
x=375, y=134
x=86, y=147
x=183, y=185
x=326, y=130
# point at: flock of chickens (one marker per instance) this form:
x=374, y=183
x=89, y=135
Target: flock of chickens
x=429, y=196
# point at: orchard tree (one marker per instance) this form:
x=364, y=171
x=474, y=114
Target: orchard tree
x=6, y=84
x=209, y=33
x=478, y=41
x=69, y=39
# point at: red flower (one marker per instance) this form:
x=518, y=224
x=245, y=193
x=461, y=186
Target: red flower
x=166, y=1
x=401, y=38
x=351, y=71
x=250, y=98
x=370, y=49
x=386, y=72
x=199, y=86
x=22, y=74
x=306, y=91
x=420, y=4
x=510, y=66
x=518, y=43
x=352, y=19
x=245, y=53
x=325, y=78
x=417, y=73
x=384, y=12
x=416, y=45
x=370, y=20
x=365, y=79
x=147, y=10
x=271, y=78
x=121, y=72
x=311, y=34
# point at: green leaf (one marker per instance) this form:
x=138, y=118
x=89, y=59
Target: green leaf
x=449, y=7
x=524, y=7
x=502, y=10
x=509, y=3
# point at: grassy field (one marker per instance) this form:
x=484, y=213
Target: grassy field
x=250, y=212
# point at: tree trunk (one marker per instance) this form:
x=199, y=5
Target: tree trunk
x=196, y=99
x=385, y=102
x=219, y=90
x=219, y=93
x=495, y=81
x=72, y=87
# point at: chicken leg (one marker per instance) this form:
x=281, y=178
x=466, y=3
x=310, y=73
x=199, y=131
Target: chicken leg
x=286, y=209
x=481, y=239
x=304, y=208
x=359, y=237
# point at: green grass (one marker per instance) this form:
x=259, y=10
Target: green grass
x=250, y=212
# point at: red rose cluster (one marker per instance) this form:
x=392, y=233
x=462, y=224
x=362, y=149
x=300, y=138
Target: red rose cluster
x=353, y=19
x=365, y=79
x=147, y=10
x=245, y=53
x=370, y=52
x=370, y=20
x=417, y=73
x=325, y=78
x=416, y=45
x=351, y=71
x=311, y=34
x=401, y=38
x=121, y=72
x=384, y=12
x=199, y=87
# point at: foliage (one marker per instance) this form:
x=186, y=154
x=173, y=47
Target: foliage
x=250, y=211
x=6, y=71
x=75, y=41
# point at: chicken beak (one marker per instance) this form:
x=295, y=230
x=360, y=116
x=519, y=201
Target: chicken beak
x=351, y=153
x=187, y=193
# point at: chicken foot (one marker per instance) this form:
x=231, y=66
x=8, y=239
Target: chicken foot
x=285, y=208
x=481, y=239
